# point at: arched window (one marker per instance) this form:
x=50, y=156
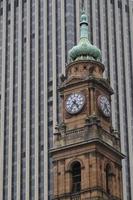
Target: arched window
x=76, y=177
x=108, y=179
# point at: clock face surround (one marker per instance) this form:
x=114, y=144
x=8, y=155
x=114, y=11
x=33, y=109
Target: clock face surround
x=75, y=103
x=104, y=105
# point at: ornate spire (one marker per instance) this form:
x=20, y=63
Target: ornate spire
x=84, y=50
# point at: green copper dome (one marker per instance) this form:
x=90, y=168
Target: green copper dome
x=84, y=50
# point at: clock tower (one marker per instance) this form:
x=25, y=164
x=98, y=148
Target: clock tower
x=86, y=152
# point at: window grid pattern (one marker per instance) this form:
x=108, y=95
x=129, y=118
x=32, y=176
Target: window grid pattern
x=49, y=27
x=97, y=12
x=32, y=104
x=41, y=102
x=1, y=32
x=6, y=123
x=58, y=53
x=105, y=42
x=15, y=106
x=70, y=37
x=89, y=12
x=129, y=65
x=128, y=96
x=23, y=108
x=50, y=82
x=124, y=101
x=114, y=66
x=50, y=94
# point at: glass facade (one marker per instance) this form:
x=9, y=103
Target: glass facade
x=23, y=86
x=23, y=104
x=6, y=109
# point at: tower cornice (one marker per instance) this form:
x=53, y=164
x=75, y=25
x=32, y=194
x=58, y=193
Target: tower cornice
x=94, y=82
x=95, y=141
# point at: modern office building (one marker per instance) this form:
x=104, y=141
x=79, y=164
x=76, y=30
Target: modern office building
x=35, y=36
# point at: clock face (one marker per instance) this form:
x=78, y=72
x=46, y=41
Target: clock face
x=104, y=105
x=75, y=103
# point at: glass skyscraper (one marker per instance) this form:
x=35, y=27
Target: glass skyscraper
x=35, y=36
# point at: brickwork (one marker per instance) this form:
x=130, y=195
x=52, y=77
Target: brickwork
x=86, y=138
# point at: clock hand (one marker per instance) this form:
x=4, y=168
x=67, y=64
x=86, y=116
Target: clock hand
x=106, y=107
x=77, y=105
x=73, y=103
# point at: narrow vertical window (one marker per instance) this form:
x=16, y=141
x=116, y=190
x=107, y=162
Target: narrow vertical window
x=76, y=177
x=108, y=179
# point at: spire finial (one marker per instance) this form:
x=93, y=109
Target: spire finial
x=84, y=25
